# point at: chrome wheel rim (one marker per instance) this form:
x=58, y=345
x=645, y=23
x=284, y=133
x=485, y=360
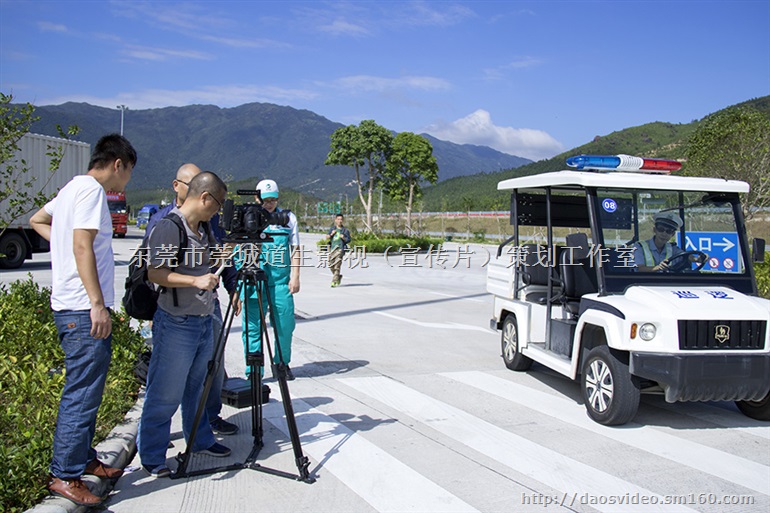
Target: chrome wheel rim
x=599, y=386
x=510, y=341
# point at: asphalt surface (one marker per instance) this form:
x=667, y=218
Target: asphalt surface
x=402, y=403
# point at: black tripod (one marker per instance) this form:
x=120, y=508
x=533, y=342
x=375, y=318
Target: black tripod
x=256, y=277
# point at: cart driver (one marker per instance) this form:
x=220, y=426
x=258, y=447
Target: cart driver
x=653, y=255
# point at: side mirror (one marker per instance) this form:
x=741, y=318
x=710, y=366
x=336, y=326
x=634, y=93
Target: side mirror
x=758, y=251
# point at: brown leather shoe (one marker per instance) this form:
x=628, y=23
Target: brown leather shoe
x=74, y=490
x=99, y=469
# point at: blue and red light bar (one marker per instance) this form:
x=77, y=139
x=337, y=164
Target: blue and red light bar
x=623, y=163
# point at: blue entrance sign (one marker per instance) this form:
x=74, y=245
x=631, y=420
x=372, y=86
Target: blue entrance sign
x=721, y=247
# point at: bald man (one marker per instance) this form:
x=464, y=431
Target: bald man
x=181, y=185
x=182, y=326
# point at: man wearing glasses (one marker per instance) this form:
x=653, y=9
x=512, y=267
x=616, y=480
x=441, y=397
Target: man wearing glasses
x=181, y=184
x=653, y=254
x=182, y=327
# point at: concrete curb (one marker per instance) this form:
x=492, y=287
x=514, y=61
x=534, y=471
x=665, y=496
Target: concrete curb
x=117, y=450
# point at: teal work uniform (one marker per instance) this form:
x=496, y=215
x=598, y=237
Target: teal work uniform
x=275, y=259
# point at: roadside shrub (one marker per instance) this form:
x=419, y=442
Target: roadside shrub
x=375, y=244
x=762, y=272
x=31, y=381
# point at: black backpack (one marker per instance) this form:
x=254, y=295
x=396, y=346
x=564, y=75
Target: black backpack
x=141, y=297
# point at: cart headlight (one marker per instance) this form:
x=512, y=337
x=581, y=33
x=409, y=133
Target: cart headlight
x=647, y=331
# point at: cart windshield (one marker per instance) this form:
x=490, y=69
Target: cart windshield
x=669, y=232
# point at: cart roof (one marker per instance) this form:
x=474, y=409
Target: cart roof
x=583, y=179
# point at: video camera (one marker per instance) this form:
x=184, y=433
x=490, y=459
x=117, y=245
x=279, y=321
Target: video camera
x=246, y=222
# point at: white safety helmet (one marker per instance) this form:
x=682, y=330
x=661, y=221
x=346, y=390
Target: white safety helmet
x=268, y=189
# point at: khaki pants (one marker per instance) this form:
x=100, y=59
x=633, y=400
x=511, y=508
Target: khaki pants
x=335, y=263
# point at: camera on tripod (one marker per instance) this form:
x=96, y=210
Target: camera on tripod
x=247, y=221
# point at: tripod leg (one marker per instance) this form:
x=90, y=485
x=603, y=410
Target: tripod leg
x=213, y=368
x=279, y=371
x=256, y=360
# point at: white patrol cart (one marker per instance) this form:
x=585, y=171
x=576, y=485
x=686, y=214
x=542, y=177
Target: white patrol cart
x=575, y=290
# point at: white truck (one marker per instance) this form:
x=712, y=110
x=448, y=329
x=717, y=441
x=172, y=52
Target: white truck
x=19, y=241
x=574, y=291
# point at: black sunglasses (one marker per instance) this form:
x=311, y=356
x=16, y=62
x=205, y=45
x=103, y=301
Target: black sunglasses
x=662, y=228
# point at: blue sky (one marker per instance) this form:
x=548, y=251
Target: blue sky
x=527, y=78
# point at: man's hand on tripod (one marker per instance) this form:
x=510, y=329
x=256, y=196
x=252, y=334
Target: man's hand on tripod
x=206, y=282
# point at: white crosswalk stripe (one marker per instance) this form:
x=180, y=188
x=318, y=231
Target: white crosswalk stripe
x=386, y=483
x=732, y=468
x=389, y=484
x=547, y=466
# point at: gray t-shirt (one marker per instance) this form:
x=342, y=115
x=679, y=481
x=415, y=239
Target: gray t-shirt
x=164, y=243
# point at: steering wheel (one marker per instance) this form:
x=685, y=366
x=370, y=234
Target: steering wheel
x=682, y=266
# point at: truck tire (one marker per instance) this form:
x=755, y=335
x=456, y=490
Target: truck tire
x=759, y=410
x=14, y=248
x=509, y=340
x=610, y=394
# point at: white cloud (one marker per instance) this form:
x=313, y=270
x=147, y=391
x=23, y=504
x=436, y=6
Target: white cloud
x=223, y=96
x=47, y=26
x=501, y=71
x=423, y=14
x=341, y=27
x=162, y=54
x=185, y=16
x=235, y=42
x=194, y=21
x=370, y=83
x=478, y=128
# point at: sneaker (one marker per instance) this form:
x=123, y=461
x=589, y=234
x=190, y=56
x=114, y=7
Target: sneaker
x=221, y=427
x=217, y=450
x=158, y=470
x=334, y=284
x=289, y=374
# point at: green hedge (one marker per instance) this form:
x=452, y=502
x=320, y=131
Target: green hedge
x=763, y=277
x=378, y=244
x=31, y=381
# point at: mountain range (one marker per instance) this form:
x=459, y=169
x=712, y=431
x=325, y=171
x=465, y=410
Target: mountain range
x=251, y=141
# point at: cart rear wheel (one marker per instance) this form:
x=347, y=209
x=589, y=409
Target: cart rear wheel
x=509, y=339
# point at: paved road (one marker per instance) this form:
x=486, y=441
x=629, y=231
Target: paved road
x=403, y=404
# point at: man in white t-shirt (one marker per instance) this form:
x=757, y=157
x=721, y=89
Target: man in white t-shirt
x=78, y=225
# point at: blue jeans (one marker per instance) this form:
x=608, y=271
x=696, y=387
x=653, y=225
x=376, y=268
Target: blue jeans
x=86, y=360
x=182, y=348
x=214, y=400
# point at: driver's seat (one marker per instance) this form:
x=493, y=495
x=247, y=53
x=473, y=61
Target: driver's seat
x=577, y=272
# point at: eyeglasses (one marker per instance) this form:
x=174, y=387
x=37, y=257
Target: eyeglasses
x=662, y=228
x=269, y=200
x=182, y=181
x=221, y=207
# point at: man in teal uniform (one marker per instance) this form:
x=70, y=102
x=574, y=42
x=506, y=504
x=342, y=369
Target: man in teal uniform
x=280, y=260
